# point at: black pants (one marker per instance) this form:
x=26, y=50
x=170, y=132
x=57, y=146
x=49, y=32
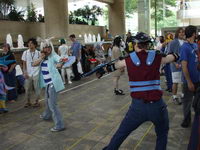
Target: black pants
x=75, y=71
x=187, y=101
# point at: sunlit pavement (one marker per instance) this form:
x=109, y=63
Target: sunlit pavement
x=92, y=114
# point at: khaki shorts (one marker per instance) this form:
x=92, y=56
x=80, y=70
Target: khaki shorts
x=176, y=77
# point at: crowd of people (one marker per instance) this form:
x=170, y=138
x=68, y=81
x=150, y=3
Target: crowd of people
x=47, y=69
x=23, y=78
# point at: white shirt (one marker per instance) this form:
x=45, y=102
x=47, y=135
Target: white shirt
x=29, y=58
x=63, y=50
x=18, y=70
x=181, y=42
x=45, y=72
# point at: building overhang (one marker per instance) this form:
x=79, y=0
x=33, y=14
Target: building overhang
x=106, y=1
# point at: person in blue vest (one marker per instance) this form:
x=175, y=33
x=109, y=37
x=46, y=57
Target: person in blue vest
x=50, y=78
x=147, y=104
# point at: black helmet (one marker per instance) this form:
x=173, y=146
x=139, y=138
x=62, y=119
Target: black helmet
x=141, y=37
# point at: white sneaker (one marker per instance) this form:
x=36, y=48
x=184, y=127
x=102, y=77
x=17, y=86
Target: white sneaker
x=69, y=82
x=56, y=130
x=41, y=117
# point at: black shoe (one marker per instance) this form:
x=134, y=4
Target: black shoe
x=168, y=90
x=186, y=124
x=119, y=92
x=177, y=101
x=76, y=79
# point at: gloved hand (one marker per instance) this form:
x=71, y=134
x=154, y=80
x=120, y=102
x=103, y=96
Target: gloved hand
x=121, y=58
x=110, y=67
x=176, y=56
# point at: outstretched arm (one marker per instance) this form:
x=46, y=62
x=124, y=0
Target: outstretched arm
x=170, y=58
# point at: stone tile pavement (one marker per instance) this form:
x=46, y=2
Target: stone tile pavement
x=92, y=114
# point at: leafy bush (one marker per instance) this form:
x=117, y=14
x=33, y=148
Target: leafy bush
x=5, y=8
x=85, y=15
x=16, y=15
x=32, y=16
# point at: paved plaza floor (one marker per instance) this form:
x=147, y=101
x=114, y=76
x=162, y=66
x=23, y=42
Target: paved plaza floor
x=92, y=114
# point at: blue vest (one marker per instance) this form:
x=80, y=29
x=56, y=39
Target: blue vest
x=146, y=85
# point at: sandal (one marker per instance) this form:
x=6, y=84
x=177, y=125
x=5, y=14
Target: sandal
x=27, y=105
x=36, y=104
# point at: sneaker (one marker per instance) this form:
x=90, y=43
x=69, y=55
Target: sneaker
x=41, y=117
x=119, y=92
x=185, y=124
x=168, y=90
x=56, y=130
x=69, y=82
x=177, y=101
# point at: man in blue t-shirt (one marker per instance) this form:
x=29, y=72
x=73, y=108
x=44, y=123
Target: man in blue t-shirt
x=76, y=51
x=189, y=62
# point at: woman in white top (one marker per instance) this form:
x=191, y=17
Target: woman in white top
x=64, y=52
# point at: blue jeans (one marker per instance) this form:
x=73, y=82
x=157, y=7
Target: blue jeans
x=194, y=143
x=52, y=110
x=140, y=112
x=168, y=75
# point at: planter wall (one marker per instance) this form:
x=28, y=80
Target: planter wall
x=29, y=29
x=26, y=29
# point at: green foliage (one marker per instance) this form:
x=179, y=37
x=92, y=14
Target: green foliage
x=16, y=15
x=167, y=22
x=5, y=7
x=85, y=15
x=31, y=16
x=130, y=6
x=163, y=10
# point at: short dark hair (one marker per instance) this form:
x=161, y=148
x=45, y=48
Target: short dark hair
x=33, y=40
x=178, y=31
x=72, y=36
x=7, y=45
x=162, y=39
x=117, y=41
x=62, y=41
x=143, y=45
x=190, y=30
x=198, y=37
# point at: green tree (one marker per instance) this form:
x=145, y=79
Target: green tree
x=163, y=8
x=31, y=16
x=130, y=6
x=5, y=8
x=85, y=15
x=16, y=14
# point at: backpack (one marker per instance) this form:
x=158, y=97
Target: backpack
x=196, y=102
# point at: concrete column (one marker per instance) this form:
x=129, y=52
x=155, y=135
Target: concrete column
x=144, y=16
x=117, y=18
x=56, y=18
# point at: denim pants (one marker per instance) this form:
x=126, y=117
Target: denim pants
x=140, y=112
x=168, y=75
x=187, y=101
x=52, y=110
x=194, y=143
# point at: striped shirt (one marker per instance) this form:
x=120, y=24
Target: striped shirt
x=45, y=73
